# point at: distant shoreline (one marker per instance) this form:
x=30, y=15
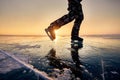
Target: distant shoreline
x=24, y=35
x=96, y=35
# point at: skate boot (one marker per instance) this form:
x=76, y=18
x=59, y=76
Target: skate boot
x=51, y=33
x=77, y=39
x=77, y=42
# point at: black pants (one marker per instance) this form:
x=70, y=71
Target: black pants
x=76, y=14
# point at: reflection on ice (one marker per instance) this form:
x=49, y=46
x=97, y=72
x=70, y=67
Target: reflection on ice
x=75, y=68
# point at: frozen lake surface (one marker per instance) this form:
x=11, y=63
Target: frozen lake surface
x=38, y=58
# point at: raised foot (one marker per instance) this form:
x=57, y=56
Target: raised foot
x=50, y=34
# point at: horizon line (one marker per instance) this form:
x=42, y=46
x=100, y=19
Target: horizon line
x=28, y=35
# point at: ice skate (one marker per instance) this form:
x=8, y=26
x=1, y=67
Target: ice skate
x=51, y=33
x=76, y=40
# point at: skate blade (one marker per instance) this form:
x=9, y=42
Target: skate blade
x=77, y=42
x=46, y=30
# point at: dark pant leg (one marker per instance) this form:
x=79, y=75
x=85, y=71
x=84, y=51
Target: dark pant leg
x=78, y=20
x=63, y=20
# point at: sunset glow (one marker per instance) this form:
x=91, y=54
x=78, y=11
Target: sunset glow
x=31, y=17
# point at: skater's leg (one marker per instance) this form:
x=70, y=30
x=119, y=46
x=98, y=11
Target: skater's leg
x=58, y=23
x=76, y=27
x=63, y=20
x=75, y=30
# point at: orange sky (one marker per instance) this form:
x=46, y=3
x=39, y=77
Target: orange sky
x=31, y=17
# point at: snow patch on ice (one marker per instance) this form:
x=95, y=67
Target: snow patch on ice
x=64, y=74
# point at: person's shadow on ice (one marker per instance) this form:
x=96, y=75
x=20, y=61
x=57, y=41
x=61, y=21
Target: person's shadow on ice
x=75, y=66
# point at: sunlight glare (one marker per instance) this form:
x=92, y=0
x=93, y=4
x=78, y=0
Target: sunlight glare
x=56, y=32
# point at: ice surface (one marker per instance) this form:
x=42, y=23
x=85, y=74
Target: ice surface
x=97, y=60
x=42, y=75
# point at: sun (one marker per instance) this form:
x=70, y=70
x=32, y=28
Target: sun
x=57, y=37
x=56, y=32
